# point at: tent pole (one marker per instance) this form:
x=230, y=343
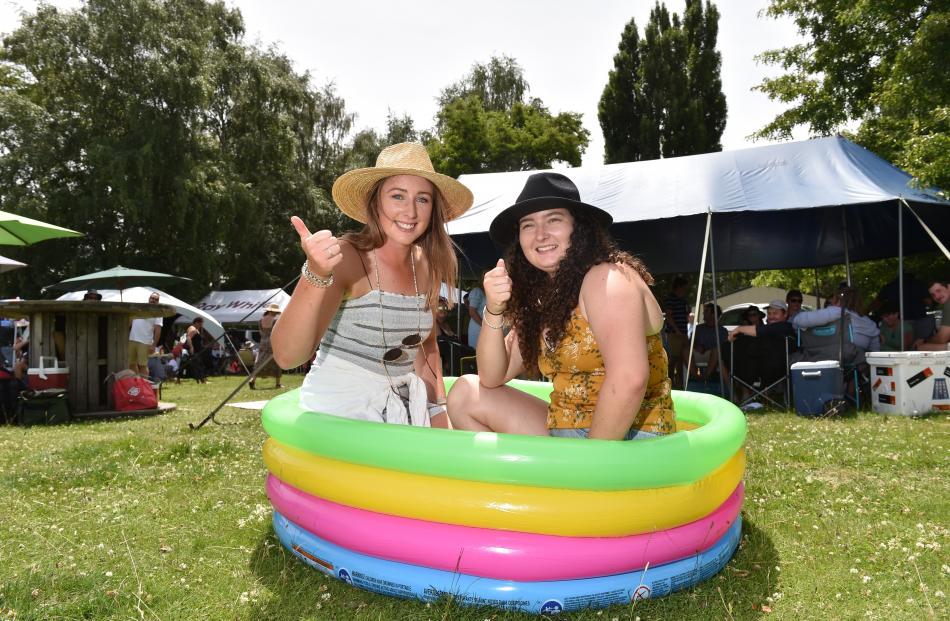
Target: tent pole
x=715, y=292
x=817, y=291
x=900, y=267
x=699, y=293
x=844, y=236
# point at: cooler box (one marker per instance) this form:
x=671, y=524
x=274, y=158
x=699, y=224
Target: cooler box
x=909, y=382
x=51, y=373
x=814, y=384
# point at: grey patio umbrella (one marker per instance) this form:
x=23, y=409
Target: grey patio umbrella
x=117, y=277
x=8, y=265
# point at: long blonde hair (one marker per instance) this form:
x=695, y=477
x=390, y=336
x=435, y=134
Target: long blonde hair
x=436, y=244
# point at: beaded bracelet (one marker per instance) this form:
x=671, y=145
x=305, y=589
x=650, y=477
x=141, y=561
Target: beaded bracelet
x=313, y=279
x=499, y=326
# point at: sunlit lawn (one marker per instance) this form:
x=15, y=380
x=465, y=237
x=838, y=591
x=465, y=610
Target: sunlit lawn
x=145, y=519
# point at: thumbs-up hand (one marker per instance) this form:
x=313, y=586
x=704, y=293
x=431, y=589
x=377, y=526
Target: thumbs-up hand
x=322, y=248
x=497, y=286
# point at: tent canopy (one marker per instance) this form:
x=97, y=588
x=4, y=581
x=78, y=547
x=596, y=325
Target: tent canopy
x=242, y=307
x=141, y=295
x=774, y=207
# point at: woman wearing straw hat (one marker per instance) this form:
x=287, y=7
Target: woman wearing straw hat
x=367, y=299
x=264, y=365
x=581, y=312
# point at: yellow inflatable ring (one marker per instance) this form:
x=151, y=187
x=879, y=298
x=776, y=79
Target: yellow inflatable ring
x=577, y=513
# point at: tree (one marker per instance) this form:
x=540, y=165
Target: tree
x=150, y=126
x=622, y=99
x=499, y=85
x=367, y=144
x=664, y=97
x=882, y=64
x=486, y=124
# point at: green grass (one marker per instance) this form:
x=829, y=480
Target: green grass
x=145, y=519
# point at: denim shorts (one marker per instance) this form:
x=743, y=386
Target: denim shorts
x=584, y=432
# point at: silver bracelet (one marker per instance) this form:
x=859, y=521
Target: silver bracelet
x=313, y=279
x=436, y=408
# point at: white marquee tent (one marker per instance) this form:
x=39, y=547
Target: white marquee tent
x=242, y=307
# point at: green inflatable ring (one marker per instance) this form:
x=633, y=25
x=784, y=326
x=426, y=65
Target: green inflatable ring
x=677, y=459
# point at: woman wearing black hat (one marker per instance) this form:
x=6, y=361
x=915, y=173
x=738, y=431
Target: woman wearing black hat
x=581, y=312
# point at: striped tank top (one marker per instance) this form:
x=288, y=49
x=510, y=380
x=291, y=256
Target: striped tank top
x=360, y=333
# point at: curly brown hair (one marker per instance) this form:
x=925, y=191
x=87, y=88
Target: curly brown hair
x=539, y=302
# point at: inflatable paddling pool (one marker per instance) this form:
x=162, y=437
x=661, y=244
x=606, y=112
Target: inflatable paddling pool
x=527, y=523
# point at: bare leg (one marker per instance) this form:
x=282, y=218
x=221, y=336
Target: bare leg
x=503, y=409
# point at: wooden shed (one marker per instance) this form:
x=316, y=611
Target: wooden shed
x=91, y=337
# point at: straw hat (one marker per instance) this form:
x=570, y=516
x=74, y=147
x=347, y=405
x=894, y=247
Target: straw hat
x=351, y=190
x=272, y=308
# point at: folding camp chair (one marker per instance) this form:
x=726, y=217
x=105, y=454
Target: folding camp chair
x=834, y=341
x=755, y=367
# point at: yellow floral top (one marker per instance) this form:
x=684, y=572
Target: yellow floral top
x=577, y=370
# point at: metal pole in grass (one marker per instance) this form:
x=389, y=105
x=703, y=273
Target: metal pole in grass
x=210, y=417
x=251, y=375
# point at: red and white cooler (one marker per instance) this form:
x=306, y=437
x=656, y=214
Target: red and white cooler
x=51, y=373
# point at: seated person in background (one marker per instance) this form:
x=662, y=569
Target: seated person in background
x=173, y=365
x=866, y=334
x=9, y=385
x=794, y=299
x=759, y=349
x=156, y=368
x=752, y=316
x=940, y=293
x=777, y=323
x=706, y=347
x=890, y=327
x=915, y=303
x=92, y=294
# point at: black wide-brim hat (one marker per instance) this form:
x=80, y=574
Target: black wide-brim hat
x=543, y=190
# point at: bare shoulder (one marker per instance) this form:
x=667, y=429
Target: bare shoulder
x=612, y=276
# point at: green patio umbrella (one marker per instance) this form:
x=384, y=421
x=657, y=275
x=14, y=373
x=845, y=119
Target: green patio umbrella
x=22, y=231
x=116, y=278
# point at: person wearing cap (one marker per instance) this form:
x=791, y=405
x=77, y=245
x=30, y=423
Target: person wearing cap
x=761, y=358
x=776, y=317
x=368, y=299
x=581, y=312
x=264, y=365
